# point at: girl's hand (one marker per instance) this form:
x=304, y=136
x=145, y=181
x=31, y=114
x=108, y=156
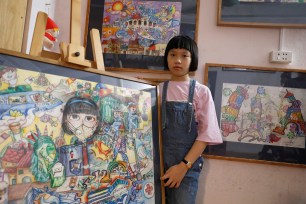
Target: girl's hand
x=174, y=175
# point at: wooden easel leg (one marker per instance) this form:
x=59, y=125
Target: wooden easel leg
x=97, y=49
x=38, y=35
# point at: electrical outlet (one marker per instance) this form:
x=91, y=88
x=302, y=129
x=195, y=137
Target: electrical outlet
x=281, y=56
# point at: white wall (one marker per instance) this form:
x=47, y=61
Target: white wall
x=34, y=6
x=59, y=12
x=233, y=182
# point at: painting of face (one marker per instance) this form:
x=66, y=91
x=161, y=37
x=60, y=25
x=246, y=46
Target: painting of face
x=81, y=118
x=82, y=125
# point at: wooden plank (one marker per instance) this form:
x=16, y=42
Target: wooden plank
x=38, y=35
x=97, y=49
x=75, y=29
x=50, y=55
x=76, y=55
x=12, y=20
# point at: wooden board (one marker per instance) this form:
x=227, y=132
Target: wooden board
x=12, y=19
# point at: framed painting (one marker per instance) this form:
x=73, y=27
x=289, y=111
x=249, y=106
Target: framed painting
x=261, y=113
x=70, y=135
x=262, y=13
x=134, y=33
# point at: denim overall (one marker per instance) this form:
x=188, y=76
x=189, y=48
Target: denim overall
x=179, y=134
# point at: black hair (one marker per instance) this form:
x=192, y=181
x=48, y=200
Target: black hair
x=80, y=105
x=183, y=42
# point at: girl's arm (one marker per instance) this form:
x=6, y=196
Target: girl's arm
x=175, y=174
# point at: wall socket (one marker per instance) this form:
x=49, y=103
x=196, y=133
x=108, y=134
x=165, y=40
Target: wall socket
x=281, y=57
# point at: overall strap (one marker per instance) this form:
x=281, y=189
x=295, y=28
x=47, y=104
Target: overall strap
x=190, y=100
x=191, y=90
x=164, y=96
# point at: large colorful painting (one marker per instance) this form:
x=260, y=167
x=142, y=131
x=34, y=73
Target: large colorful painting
x=139, y=27
x=134, y=33
x=261, y=112
x=67, y=140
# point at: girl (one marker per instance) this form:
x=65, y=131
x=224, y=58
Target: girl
x=189, y=122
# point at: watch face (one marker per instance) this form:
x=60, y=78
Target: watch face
x=188, y=164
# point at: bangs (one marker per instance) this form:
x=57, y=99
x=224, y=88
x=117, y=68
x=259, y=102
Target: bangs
x=180, y=43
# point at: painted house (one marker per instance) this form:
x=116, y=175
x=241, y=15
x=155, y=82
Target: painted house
x=16, y=162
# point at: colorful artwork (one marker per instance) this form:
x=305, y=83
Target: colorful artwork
x=256, y=114
x=279, y=1
x=65, y=140
x=139, y=27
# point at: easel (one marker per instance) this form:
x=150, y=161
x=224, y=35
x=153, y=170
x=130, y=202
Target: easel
x=72, y=52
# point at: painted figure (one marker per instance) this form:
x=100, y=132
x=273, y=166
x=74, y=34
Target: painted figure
x=293, y=115
x=44, y=157
x=80, y=118
x=8, y=75
x=230, y=112
x=133, y=117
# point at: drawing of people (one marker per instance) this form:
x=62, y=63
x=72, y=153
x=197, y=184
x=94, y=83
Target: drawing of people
x=120, y=147
x=292, y=132
x=74, y=163
x=135, y=195
x=231, y=110
x=133, y=117
x=293, y=115
x=81, y=118
x=8, y=81
x=8, y=75
x=118, y=123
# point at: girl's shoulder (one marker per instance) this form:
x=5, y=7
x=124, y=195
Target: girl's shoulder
x=185, y=85
x=201, y=87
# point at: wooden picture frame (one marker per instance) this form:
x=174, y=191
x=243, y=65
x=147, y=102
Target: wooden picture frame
x=139, y=62
x=261, y=113
x=255, y=13
x=113, y=154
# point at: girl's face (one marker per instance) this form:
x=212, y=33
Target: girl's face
x=179, y=61
x=82, y=125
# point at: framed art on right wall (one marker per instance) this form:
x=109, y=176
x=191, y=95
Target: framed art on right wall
x=261, y=113
x=262, y=13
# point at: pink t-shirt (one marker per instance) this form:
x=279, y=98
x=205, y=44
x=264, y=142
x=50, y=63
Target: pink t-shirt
x=205, y=112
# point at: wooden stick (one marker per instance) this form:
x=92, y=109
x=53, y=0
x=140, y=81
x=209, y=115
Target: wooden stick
x=97, y=49
x=75, y=26
x=38, y=35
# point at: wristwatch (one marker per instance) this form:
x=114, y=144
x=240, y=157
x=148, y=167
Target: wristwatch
x=188, y=164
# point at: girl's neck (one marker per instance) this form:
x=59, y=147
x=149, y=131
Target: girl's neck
x=180, y=78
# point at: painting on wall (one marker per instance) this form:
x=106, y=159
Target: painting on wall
x=262, y=13
x=261, y=113
x=134, y=33
x=279, y=1
x=143, y=28
x=66, y=139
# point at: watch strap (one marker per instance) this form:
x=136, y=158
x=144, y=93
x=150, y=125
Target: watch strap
x=188, y=164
